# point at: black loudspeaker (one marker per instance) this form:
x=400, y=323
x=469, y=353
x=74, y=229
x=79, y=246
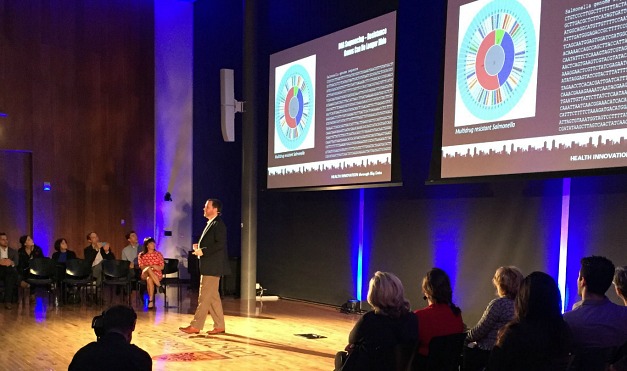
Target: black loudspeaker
x=194, y=271
x=351, y=306
x=229, y=106
x=230, y=285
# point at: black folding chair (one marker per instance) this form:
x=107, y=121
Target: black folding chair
x=42, y=272
x=115, y=273
x=78, y=275
x=592, y=359
x=445, y=354
x=171, y=266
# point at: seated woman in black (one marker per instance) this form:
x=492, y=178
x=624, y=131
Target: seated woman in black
x=27, y=252
x=374, y=339
x=61, y=256
x=538, y=338
x=62, y=253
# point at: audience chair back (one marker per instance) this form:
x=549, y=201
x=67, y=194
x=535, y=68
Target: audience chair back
x=42, y=272
x=445, y=352
x=78, y=274
x=404, y=354
x=42, y=268
x=592, y=359
x=2, y=290
x=78, y=269
x=115, y=273
x=171, y=266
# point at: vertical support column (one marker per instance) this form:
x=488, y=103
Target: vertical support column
x=561, y=275
x=249, y=163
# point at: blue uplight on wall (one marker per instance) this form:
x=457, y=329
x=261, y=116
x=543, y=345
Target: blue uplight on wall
x=359, y=251
x=447, y=233
x=563, y=259
x=47, y=186
x=360, y=254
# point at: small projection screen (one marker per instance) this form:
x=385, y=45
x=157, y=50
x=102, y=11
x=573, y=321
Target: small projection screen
x=332, y=108
x=533, y=86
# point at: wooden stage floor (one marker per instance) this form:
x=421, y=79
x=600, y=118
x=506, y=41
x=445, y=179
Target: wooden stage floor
x=41, y=337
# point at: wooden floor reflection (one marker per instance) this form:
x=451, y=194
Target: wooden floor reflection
x=41, y=337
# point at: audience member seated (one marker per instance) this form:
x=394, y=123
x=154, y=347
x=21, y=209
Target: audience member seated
x=595, y=321
x=620, y=283
x=499, y=312
x=27, y=252
x=113, y=349
x=95, y=253
x=129, y=253
x=62, y=253
x=441, y=317
x=9, y=259
x=372, y=344
x=538, y=338
x=619, y=362
x=61, y=256
x=151, y=264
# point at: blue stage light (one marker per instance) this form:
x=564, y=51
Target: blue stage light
x=561, y=275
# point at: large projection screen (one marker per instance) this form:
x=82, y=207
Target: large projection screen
x=331, y=108
x=534, y=86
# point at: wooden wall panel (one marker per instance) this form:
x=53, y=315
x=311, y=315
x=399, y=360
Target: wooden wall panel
x=16, y=200
x=77, y=81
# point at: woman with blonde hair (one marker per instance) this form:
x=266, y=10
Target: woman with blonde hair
x=373, y=340
x=499, y=312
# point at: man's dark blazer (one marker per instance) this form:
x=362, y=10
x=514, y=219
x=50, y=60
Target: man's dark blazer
x=90, y=254
x=13, y=255
x=215, y=260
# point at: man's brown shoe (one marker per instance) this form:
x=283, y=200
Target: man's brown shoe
x=216, y=331
x=189, y=330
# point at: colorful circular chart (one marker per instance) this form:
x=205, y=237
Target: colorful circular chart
x=496, y=59
x=294, y=104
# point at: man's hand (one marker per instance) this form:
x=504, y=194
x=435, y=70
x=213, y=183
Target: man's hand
x=6, y=262
x=198, y=252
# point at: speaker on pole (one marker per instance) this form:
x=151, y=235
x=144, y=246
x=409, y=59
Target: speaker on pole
x=228, y=105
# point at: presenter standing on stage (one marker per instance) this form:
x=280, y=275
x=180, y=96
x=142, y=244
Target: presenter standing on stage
x=213, y=263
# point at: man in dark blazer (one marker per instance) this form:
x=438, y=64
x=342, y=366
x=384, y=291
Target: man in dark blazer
x=8, y=273
x=95, y=253
x=213, y=263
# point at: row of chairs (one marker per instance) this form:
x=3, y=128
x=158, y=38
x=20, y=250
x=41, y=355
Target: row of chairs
x=78, y=274
x=446, y=354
